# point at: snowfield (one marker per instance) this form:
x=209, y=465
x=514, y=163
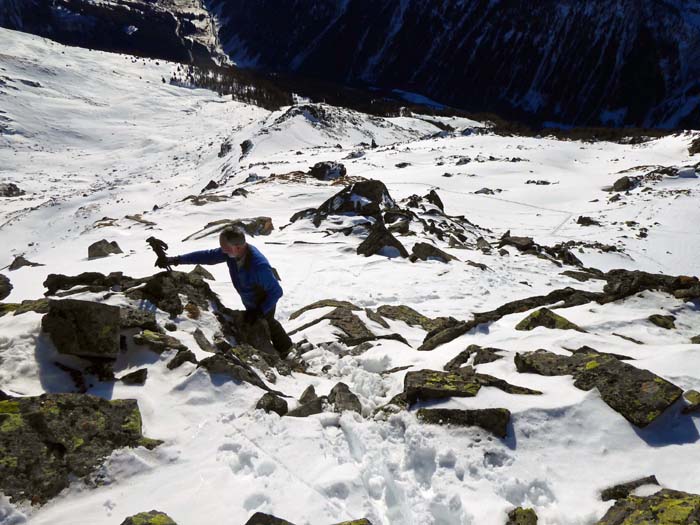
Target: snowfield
x=104, y=149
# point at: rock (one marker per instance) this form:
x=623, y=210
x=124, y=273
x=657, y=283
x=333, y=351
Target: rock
x=308, y=395
x=381, y=242
x=83, y=328
x=93, y=281
x=363, y=521
x=135, y=378
x=202, y=272
x=40, y=306
x=135, y=318
x=181, y=357
x=625, y=489
x=495, y=420
x=49, y=440
x=693, y=399
x=327, y=170
x=246, y=147
x=623, y=184
x=403, y=165
x=666, y=507
x=376, y=317
x=170, y=326
x=481, y=356
x=240, y=192
x=260, y=518
x=546, y=318
x=203, y=342
x=694, y=147
x=5, y=287
x=432, y=384
x=413, y=318
x=165, y=290
x=583, y=220
x=368, y=198
x=343, y=399
x=21, y=262
x=315, y=406
x=521, y=516
x=521, y=243
x=433, y=198
x=103, y=248
x=425, y=252
x=638, y=395
x=152, y=517
x=623, y=283
x=211, y=185
x=663, y=321
x=270, y=402
x=252, y=226
x=158, y=342
x=483, y=245
x=9, y=189
x=323, y=304
x=229, y=365
x=484, y=191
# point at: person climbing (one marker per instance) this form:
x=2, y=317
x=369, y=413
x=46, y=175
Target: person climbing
x=251, y=275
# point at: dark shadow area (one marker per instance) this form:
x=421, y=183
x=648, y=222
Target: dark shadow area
x=671, y=428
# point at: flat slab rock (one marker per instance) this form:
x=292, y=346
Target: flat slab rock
x=152, y=517
x=494, y=420
x=433, y=384
x=546, y=318
x=638, y=395
x=49, y=440
x=666, y=507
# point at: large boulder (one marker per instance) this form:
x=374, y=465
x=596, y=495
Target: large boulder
x=5, y=287
x=103, y=248
x=666, y=507
x=638, y=395
x=229, y=365
x=546, y=318
x=83, y=328
x=343, y=399
x=10, y=189
x=426, y=252
x=494, y=420
x=270, y=402
x=49, y=440
x=433, y=384
x=152, y=517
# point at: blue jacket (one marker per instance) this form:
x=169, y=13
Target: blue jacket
x=254, y=282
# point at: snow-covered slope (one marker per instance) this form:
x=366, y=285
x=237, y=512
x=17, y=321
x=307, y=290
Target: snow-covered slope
x=105, y=150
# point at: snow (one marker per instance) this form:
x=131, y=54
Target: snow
x=100, y=135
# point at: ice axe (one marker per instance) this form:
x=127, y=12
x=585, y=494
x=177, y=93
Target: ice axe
x=159, y=247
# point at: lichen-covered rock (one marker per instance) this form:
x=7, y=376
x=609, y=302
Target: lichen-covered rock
x=229, y=365
x=413, y=318
x=324, y=303
x=666, y=507
x=252, y=226
x=548, y=319
x=48, y=440
x=380, y=241
x=343, y=399
x=623, y=490
x=354, y=329
x=96, y=282
x=103, y=248
x=158, y=342
x=521, y=516
x=270, y=402
x=152, y=517
x=425, y=252
x=83, y=328
x=481, y=356
x=135, y=378
x=432, y=384
x=638, y=395
x=183, y=356
x=494, y=420
x=663, y=321
x=136, y=318
x=693, y=399
x=695, y=340
x=260, y=518
x=5, y=287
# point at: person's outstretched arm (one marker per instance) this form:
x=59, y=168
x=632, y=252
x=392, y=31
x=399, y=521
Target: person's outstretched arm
x=214, y=256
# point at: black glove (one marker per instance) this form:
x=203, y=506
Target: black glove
x=164, y=262
x=252, y=316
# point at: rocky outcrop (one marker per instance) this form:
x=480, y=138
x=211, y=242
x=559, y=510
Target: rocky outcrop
x=137, y=377
x=229, y=365
x=103, y=248
x=328, y=170
x=9, y=189
x=343, y=399
x=544, y=317
x=270, y=402
x=176, y=30
x=638, y=395
x=49, y=440
x=152, y=517
x=432, y=384
x=494, y=420
x=666, y=507
x=381, y=242
x=83, y=328
x=666, y=322
x=425, y=252
x=252, y=226
x=481, y=356
x=260, y=518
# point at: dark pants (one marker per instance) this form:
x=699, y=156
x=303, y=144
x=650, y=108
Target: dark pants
x=280, y=339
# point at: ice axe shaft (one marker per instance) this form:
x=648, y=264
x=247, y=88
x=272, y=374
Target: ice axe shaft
x=159, y=247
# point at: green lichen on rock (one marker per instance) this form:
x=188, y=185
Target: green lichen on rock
x=494, y=420
x=157, y=341
x=693, y=399
x=432, y=384
x=666, y=507
x=413, y=318
x=47, y=441
x=153, y=517
x=637, y=394
x=695, y=340
x=521, y=516
x=546, y=318
x=663, y=321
